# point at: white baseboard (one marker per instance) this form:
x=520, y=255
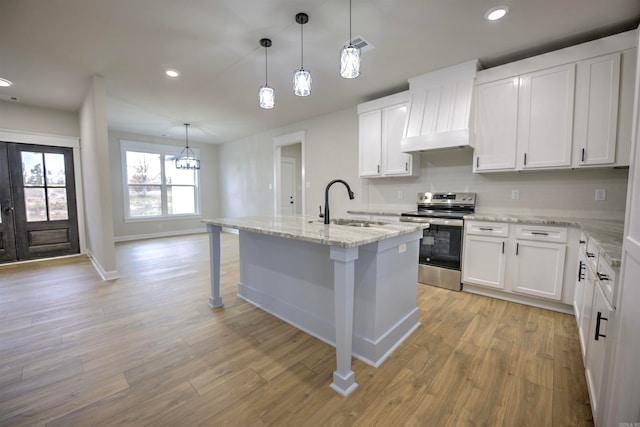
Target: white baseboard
x=132, y=237
x=105, y=275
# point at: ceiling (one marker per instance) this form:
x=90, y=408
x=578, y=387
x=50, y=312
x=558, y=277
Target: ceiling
x=50, y=49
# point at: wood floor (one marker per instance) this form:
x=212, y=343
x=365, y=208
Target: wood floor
x=147, y=350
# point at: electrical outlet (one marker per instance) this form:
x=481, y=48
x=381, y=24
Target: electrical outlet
x=400, y=195
x=601, y=194
x=515, y=194
x=308, y=185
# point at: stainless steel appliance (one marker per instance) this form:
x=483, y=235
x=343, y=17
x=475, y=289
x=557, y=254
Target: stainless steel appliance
x=441, y=243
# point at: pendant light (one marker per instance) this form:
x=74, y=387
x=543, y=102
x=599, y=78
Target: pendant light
x=187, y=159
x=302, y=77
x=350, y=57
x=266, y=95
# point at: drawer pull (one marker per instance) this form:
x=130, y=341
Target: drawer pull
x=517, y=248
x=590, y=255
x=598, y=319
x=602, y=276
x=486, y=229
x=582, y=242
x=503, y=247
x=539, y=233
x=581, y=268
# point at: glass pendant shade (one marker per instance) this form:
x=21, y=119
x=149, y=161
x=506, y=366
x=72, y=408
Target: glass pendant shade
x=267, y=97
x=350, y=62
x=302, y=82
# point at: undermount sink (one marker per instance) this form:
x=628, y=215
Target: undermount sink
x=355, y=222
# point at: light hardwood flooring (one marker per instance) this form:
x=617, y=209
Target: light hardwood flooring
x=147, y=350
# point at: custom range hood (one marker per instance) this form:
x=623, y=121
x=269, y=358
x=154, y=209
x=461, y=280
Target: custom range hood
x=440, y=109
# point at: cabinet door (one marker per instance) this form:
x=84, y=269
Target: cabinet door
x=394, y=161
x=586, y=307
x=484, y=261
x=594, y=364
x=596, y=116
x=496, y=125
x=545, y=117
x=370, y=143
x=539, y=268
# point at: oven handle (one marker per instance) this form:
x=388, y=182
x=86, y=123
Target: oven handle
x=433, y=221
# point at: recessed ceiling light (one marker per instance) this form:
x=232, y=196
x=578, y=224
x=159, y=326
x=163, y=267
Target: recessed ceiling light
x=496, y=13
x=172, y=73
x=5, y=82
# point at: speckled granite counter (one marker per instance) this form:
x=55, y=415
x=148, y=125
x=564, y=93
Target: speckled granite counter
x=606, y=234
x=379, y=212
x=311, y=229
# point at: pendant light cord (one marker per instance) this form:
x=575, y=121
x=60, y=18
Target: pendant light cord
x=266, y=70
x=301, y=46
x=350, y=38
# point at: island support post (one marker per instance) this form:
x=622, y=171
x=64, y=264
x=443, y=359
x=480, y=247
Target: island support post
x=215, y=300
x=344, y=291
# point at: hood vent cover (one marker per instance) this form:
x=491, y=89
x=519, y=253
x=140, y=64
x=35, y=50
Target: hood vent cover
x=440, y=109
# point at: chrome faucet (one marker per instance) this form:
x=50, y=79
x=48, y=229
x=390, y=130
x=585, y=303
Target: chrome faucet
x=326, y=197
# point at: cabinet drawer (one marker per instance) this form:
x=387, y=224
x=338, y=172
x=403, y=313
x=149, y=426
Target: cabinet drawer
x=592, y=254
x=544, y=234
x=497, y=229
x=606, y=275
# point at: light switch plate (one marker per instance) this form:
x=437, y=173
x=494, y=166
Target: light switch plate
x=400, y=195
x=601, y=194
x=402, y=248
x=515, y=194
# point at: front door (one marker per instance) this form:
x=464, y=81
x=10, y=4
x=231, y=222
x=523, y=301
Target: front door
x=38, y=200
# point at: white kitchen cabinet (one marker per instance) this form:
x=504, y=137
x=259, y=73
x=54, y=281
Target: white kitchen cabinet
x=545, y=118
x=485, y=261
x=518, y=262
x=573, y=109
x=370, y=143
x=539, y=268
x=525, y=122
x=496, y=125
x=596, y=351
x=596, y=110
x=381, y=127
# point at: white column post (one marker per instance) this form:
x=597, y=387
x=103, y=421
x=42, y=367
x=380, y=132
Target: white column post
x=215, y=300
x=343, y=282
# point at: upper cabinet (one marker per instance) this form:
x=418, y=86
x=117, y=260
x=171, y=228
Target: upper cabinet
x=596, y=115
x=381, y=126
x=565, y=109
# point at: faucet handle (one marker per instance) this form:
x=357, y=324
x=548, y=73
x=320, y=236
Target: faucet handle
x=321, y=214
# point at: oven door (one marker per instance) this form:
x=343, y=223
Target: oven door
x=441, y=245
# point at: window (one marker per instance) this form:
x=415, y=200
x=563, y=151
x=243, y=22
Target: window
x=44, y=186
x=153, y=187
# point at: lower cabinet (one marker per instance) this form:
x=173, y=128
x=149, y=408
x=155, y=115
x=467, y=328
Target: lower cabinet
x=517, y=262
x=596, y=350
x=484, y=254
x=539, y=268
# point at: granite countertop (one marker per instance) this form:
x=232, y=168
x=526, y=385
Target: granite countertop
x=606, y=234
x=378, y=212
x=312, y=229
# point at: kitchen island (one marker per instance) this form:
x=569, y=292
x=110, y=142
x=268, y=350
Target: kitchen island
x=351, y=284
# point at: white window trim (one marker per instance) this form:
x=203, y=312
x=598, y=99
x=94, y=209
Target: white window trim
x=161, y=149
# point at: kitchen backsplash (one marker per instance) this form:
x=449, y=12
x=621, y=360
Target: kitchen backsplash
x=554, y=193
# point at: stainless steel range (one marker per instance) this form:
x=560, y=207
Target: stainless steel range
x=441, y=243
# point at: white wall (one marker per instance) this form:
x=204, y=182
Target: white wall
x=15, y=116
x=332, y=152
x=94, y=150
x=163, y=227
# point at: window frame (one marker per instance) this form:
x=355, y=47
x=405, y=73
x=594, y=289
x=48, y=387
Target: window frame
x=164, y=151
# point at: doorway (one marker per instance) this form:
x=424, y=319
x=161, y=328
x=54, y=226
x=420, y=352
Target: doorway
x=38, y=214
x=288, y=195
x=289, y=174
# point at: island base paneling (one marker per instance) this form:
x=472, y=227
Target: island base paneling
x=293, y=280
